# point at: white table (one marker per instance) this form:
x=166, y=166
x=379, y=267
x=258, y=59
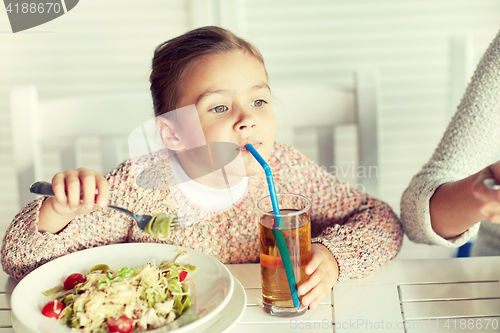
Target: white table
x=412, y=292
x=440, y=295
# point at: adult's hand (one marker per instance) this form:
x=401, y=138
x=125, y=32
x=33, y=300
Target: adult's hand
x=488, y=200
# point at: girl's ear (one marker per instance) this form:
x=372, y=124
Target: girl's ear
x=169, y=134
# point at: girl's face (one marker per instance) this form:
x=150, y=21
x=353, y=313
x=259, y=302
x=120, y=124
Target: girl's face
x=232, y=99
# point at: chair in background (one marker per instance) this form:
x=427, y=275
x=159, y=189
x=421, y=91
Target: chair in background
x=69, y=122
x=322, y=108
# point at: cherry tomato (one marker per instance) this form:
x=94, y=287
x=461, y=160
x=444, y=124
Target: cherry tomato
x=53, y=309
x=122, y=324
x=182, y=275
x=72, y=280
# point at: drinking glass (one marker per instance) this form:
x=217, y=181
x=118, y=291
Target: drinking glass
x=296, y=228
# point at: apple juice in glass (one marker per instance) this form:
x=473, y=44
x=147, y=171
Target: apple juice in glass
x=296, y=229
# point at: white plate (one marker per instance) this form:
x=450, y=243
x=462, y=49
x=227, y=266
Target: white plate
x=232, y=313
x=213, y=282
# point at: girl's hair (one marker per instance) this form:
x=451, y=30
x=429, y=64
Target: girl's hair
x=173, y=57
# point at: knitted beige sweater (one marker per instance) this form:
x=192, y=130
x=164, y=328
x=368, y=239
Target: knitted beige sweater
x=470, y=143
x=361, y=232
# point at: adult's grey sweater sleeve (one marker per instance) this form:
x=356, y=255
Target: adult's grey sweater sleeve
x=471, y=142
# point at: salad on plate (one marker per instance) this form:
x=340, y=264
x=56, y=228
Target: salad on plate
x=124, y=301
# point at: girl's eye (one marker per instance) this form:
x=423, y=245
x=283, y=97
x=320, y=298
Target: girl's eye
x=258, y=103
x=219, y=109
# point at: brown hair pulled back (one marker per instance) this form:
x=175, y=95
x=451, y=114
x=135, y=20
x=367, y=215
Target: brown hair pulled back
x=173, y=57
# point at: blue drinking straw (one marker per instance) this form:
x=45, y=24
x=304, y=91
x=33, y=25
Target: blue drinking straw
x=278, y=234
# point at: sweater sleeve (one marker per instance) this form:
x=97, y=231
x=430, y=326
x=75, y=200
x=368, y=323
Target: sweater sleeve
x=469, y=144
x=361, y=232
x=25, y=248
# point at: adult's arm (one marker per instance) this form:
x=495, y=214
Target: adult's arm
x=438, y=206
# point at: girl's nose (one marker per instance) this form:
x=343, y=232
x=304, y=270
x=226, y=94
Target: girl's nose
x=246, y=120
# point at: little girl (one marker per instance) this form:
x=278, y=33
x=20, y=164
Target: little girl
x=223, y=79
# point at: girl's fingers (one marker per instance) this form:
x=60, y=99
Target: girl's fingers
x=103, y=191
x=73, y=188
x=59, y=188
x=76, y=189
x=313, y=280
x=318, y=299
x=88, y=183
x=317, y=294
x=314, y=263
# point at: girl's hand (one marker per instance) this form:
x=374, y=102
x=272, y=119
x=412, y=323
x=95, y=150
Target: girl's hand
x=324, y=271
x=79, y=191
x=76, y=192
x=487, y=200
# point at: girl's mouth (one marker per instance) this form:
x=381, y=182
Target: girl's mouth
x=256, y=145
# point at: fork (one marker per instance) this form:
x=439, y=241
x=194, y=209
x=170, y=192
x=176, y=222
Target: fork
x=491, y=184
x=45, y=188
